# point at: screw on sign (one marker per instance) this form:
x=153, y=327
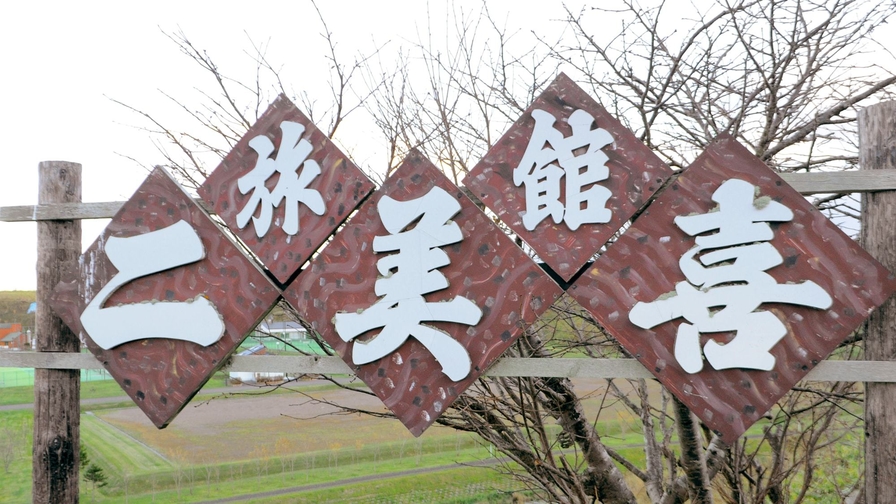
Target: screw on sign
x=163, y=297
x=420, y=292
x=568, y=159
x=730, y=287
x=284, y=189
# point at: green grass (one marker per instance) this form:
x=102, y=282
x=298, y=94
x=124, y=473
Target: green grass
x=278, y=347
x=137, y=474
x=271, y=472
x=15, y=485
x=111, y=447
x=89, y=390
x=94, y=389
x=461, y=485
x=191, y=483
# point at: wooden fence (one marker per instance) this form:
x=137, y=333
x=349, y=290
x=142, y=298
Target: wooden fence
x=877, y=176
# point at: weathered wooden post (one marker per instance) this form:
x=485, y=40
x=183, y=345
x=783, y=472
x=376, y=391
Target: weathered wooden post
x=877, y=150
x=56, y=391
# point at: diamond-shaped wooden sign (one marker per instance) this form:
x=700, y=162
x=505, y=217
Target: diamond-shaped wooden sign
x=420, y=292
x=730, y=287
x=284, y=188
x=566, y=176
x=163, y=297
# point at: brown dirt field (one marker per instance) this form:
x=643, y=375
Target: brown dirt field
x=243, y=426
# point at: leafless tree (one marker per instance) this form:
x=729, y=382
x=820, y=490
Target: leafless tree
x=783, y=76
x=228, y=106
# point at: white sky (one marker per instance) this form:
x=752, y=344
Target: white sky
x=62, y=61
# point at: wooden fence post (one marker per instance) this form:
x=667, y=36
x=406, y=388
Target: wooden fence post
x=57, y=392
x=877, y=150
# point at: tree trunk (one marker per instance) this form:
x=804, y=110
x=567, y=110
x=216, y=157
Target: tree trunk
x=877, y=150
x=693, y=459
x=56, y=391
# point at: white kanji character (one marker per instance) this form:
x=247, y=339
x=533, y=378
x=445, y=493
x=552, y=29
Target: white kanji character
x=550, y=156
x=727, y=282
x=407, y=276
x=195, y=320
x=291, y=185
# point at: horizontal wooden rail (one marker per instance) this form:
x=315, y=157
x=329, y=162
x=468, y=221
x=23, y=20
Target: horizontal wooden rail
x=827, y=371
x=805, y=183
x=842, y=182
x=66, y=211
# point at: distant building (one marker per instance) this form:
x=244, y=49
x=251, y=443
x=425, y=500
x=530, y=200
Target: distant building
x=12, y=337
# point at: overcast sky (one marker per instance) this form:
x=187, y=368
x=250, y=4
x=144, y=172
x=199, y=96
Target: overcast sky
x=63, y=62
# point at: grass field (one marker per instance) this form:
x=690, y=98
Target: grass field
x=116, y=449
x=16, y=426
x=247, y=443
x=206, y=455
x=89, y=390
x=138, y=474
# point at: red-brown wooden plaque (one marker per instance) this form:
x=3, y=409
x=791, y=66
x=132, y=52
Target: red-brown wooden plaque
x=162, y=375
x=486, y=267
x=643, y=266
x=635, y=174
x=340, y=184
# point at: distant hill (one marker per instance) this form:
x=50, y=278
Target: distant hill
x=14, y=307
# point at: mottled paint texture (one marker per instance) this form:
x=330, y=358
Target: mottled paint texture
x=341, y=184
x=642, y=265
x=635, y=174
x=486, y=267
x=162, y=375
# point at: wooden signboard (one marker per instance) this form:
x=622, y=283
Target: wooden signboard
x=163, y=297
x=284, y=189
x=730, y=287
x=566, y=177
x=420, y=293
